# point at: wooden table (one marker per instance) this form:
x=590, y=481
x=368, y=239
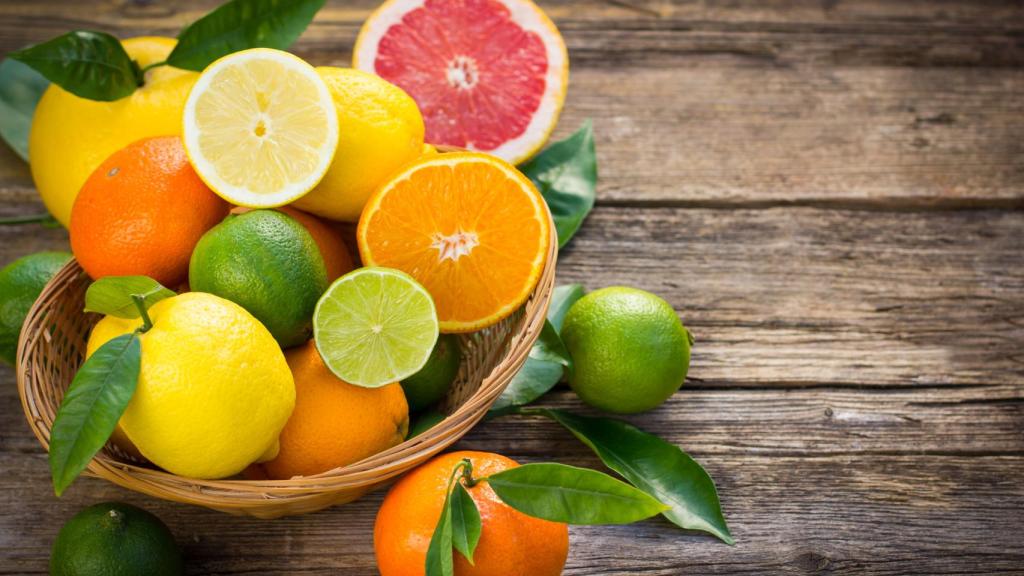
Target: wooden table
x=829, y=192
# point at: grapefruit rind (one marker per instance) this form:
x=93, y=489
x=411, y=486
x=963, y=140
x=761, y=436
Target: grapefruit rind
x=530, y=18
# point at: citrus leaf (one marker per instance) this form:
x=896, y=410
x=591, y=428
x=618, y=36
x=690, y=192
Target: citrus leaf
x=21, y=87
x=466, y=524
x=566, y=175
x=562, y=298
x=653, y=465
x=89, y=64
x=562, y=493
x=423, y=422
x=239, y=25
x=549, y=346
x=112, y=295
x=439, y=553
x=92, y=406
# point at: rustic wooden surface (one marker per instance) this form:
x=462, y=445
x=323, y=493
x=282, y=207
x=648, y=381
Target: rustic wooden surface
x=829, y=192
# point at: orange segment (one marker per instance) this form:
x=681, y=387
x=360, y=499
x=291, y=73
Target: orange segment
x=467, y=226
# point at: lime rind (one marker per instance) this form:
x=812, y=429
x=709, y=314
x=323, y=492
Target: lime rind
x=375, y=326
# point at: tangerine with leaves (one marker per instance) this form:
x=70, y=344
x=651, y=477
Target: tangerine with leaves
x=511, y=543
x=467, y=226
x=141, y=213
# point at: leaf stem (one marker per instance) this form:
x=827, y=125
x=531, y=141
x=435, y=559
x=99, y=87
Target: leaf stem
x=467, y=473
x=31, y=219
x=149, y=67
x=140, y=303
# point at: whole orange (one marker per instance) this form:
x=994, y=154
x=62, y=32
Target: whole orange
x=142, y=211
x=511, y=543
x=328, y=238
x=334, y=423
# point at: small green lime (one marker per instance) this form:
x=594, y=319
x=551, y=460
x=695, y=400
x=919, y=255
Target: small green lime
x=425, y=421
x=630, y=351
x=432, y=381
x=267, y=263
x=21, y=282
x=115, y=539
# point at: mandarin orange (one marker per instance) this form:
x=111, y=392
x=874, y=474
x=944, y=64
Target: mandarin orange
x=467, y=226
x=142, y=211
x=334, y=423
x=511, y=543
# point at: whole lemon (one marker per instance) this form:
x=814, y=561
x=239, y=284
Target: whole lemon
x=71, y=136
x=379, y=129
x=630, y=352
x=214, y=388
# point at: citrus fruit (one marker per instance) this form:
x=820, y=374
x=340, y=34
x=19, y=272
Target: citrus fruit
x=432, y=381
x=511, y=543
x=260, y=127
x=630, y=351
x=142, y=212
x=269, y=264
x=21, y=282
x=488, y=75
x=71, y=136
x=328, y=238
x=334, y=423
x=115, y=539
x=379, y=130
x=375, y=326
x=214, y=388
x=469, y=227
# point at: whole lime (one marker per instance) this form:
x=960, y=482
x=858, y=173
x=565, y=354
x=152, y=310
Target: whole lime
x=115, y=539
x=432, y=381
x=267, y=263
x=630, y=351
x=21, y=282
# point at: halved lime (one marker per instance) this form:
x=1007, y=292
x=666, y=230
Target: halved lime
x=375, y=326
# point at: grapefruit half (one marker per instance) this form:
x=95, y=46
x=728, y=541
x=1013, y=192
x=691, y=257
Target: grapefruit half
x=488, y=75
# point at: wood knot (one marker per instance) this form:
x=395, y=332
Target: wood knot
x=811, y=562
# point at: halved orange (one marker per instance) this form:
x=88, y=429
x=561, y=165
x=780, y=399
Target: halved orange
x=467, y=226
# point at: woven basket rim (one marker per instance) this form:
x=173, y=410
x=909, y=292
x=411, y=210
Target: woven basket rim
x=244, y=495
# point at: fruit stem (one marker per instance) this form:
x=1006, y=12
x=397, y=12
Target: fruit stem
x=467, y=473
x=147, y=68
x=140, y=303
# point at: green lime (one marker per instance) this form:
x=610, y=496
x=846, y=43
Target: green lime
x=425, y=421
x=114, y=539
x=375, y=326
x=267, y=263
x=21, y=282
x=432, y=381
x=630, y=352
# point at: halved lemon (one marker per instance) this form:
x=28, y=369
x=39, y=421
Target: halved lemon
x=260, y=127
x=467, y=226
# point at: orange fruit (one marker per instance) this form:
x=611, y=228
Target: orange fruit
x=142, y=211
x=334, y=423
x=328, y=238
x=467, y=226
x=511, y=543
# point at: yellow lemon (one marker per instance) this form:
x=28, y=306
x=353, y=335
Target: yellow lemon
x=379, y=130
x=71, y=136
x=214, y=388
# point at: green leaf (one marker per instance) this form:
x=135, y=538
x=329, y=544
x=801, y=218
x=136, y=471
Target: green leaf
x=653, y=465
x=562, y=298
x=549, y=347
x=566, y=175
x=423, y=422
x=439, y=553
x=89, y=64
x=21, y=87
x=572, y=495
x=92, y=406
x=239, y=25
x=112, y=295
x=466, y=524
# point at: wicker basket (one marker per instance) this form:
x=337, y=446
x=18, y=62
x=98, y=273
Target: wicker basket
x=53, y=344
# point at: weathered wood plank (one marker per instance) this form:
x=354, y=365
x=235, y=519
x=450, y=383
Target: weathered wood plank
x=849, y=103
x=846, y=515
